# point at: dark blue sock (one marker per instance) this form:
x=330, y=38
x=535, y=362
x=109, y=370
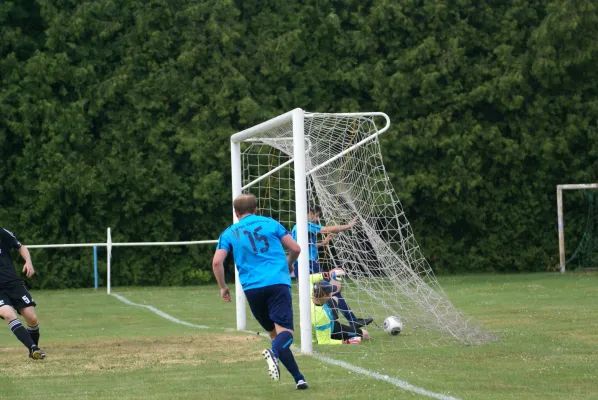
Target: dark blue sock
x=343, y=307
x=281, y=346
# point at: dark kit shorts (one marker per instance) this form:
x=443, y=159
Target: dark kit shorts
x=16, y=295
x=271, y=304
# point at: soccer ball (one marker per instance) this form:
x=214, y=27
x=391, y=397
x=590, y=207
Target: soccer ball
x=393, y=326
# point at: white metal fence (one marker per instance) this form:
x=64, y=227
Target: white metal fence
x=108, y=245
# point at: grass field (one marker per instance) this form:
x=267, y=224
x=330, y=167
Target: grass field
x=101, y=348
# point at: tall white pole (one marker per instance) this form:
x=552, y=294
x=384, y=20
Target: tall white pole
x=108, y=257
x=235, y=161
x=559, y=207
x=302, y=239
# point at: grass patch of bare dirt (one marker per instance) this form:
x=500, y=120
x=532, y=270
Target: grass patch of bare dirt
x=64, y=359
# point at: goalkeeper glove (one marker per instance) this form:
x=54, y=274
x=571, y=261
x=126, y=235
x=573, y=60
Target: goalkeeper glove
x=337, y=274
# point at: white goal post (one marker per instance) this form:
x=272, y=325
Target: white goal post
x=299, y=160
x=297, y=118
x=559, y=205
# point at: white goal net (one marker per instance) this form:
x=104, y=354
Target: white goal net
x=387, y=275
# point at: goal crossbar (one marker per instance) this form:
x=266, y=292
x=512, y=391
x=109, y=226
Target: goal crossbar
x=279, y=121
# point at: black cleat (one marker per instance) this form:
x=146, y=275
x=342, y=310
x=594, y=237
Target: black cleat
x=301, y=384
x=36, y=353
x=359, y=322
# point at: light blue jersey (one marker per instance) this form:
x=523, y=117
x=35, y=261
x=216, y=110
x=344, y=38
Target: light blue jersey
x=255, y=242
x=312, y=235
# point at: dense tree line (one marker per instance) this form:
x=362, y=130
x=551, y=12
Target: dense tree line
x=117, y=113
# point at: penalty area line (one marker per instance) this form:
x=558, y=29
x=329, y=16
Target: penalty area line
x=160, y=313
x=358, y=370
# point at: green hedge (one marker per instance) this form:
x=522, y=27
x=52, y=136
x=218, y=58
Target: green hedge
x=118, y=113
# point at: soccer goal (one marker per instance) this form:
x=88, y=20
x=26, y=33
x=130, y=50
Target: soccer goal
x=335, y=161
x=587, y=250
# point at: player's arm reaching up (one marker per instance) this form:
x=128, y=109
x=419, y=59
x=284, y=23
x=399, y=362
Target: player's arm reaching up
x=339, y=228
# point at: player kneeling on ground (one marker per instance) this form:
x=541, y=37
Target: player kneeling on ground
x=324, y=314
x=14, y=294
x=313, y=230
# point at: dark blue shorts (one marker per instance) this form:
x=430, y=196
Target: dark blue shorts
x=271, y=304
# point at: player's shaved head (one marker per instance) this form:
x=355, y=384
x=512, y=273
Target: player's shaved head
x=245, y=204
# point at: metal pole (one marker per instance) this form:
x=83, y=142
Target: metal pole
x=559, y=207
x=302, y=239
x=108, y=257
x=235, y=158
x=95, y=267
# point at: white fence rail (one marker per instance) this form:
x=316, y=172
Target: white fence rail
x=109, y=244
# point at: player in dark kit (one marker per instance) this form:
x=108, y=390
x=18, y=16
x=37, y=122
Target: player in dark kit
x=14, y=295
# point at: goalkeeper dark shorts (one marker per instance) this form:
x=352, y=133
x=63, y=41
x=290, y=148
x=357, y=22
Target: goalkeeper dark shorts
x=344, y=332
x=16, y=295
x=270, y=305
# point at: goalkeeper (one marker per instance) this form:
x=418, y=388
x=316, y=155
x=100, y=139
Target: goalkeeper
x=313, y=228
x=324, y=316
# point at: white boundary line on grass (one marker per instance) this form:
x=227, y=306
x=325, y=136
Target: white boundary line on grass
x=160, y=313
x=389, y=379
x=393, y=381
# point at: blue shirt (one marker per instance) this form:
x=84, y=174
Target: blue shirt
x=312, y=235
x=255, y=242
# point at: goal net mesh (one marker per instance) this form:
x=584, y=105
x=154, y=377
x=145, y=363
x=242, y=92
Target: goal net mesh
x=586, y=253
x=387, y=275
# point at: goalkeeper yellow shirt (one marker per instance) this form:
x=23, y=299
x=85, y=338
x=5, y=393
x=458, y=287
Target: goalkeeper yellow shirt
x=322, y=318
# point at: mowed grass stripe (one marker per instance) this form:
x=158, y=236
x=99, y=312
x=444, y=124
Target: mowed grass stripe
x=548, y=323
x=351, y=368
x=129, y=353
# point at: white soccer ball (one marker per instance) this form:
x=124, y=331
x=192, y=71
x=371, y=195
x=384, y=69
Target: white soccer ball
x=393, y=326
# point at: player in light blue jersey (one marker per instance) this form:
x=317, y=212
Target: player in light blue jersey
x=258, y=245
x=313, y=229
